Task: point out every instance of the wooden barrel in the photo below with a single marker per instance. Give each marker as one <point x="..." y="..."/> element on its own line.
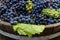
<point x="51" y="31"/>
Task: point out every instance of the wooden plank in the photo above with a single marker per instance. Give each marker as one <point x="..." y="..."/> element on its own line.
<point x="56" y="29"/>
<point x="57" y="38"/>
<point x="49" y="28"/>
<point x="6" y="27"/>
<point x="47" y="31"/>
<point x="9" y="28"/>
<point x="2" y="37"/>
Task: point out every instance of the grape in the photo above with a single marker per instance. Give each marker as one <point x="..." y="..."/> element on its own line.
<point x="15" y="11"/>
<point x="29" y="6"/>
<point x="50" y="13"/>
<point x="23" y="13"/>
<point x="27" y="29"/>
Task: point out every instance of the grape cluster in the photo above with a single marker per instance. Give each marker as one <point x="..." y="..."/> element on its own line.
<point x="52" y="13"/>
<point x="24" y="29"/>
<point x="28" y="11"/>
<point x="29" y="6"/>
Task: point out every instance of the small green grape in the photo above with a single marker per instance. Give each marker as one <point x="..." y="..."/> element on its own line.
<point x="50" y="12"/>
<point x="29" y="6"/>
<point x="21" y="32"/>
<point x="58" y="10"/>
<point x="28" y="29"/>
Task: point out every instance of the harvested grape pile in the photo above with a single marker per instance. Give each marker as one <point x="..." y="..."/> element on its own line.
<point x="30" y="12"/>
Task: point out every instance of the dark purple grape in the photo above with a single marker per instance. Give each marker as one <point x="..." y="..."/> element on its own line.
<point x="14" y="11"/>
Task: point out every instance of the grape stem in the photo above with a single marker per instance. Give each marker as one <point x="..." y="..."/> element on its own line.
<point x="15" y="12"/>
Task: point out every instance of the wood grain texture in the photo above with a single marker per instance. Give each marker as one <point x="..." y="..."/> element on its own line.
<point x="17" y="37"/>
<point x="50" y="29"/>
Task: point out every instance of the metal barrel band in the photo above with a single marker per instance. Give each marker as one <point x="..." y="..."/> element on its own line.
<point x="17" y="37"/>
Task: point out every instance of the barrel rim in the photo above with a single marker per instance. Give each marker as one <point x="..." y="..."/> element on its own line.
<point x="3" y="24"/>
<point x="13" y="36"/>
<point x="47" y="26"/>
